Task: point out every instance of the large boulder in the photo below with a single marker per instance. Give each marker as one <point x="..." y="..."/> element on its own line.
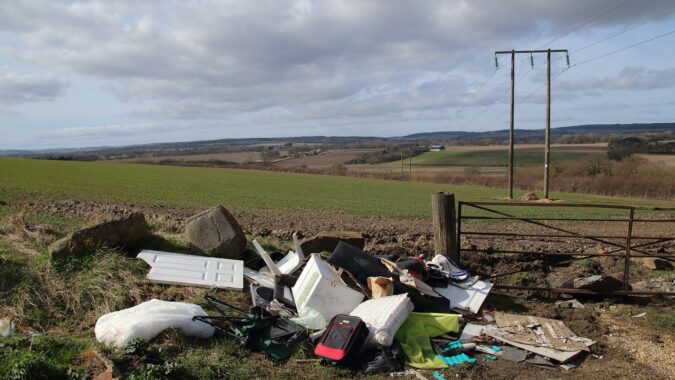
<point x="216" y="232"/>
<point x="326" y="241"/>
<point x="126" y="232"/>
<point x="598" y="283"/>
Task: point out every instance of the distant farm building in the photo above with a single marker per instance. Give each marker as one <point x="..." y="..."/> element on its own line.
<point x="436" y="148"/>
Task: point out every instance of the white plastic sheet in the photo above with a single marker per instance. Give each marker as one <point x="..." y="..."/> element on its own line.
<point x="466" y="298"/>
<point x="147" y="320"/>
<point x="384" y="316"/>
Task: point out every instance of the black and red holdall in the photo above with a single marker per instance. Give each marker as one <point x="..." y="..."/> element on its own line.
<point x="343" y="341"/>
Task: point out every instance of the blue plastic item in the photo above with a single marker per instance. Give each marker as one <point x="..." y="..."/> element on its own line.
<point x="457" y="359"/>
<point x="438" y="376"/>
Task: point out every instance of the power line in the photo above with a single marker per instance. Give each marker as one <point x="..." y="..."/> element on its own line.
<point x="500" y="116"/>
<point x="596" y="58"/>
<point x="476" y="92"/>
<point x="586" y="23"/>
<point x="623" y="48"/>
<point x="625" y="30"/>
<point x="487" y="107"/>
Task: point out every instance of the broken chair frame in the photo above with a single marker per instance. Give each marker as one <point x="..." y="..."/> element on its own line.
<point x="272" y="328"/>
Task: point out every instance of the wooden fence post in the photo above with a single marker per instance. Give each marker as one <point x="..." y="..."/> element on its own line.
<point x="443" y="213"/>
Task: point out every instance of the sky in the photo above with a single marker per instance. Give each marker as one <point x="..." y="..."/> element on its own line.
<point x="111" y="73"/>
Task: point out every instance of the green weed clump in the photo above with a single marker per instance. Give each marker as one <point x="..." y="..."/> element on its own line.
<point x="40" y="357"/>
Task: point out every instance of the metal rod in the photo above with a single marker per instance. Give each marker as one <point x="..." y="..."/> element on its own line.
<point x="585" y="291"/>
<point x="459" y="233"/>
<point x="661" y="240"/>
<point x="561" y="236"/>
<point x="511" y="126"/>
<point x="552" y="227"/>
<point x="530" y="51"/>
<point x="530" y="204"/>
<point x="582" y="255"/>
<point x="626" y="267"/>
<point x="510" y="252"/>
<point x="402" y="161"/>
<point x="558" y="219"/>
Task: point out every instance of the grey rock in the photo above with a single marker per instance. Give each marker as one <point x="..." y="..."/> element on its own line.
<point x="655" y="263"/>
<point x="216" y="232"/>
<point x="573" y="304"/>
<point x="595" y="282"/>
<point x="661" y="284"/>
<point x="125" y="232"/>
<point x="326" y="241"/>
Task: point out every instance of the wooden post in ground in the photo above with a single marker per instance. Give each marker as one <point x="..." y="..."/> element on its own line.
<point x="443" y="213"/>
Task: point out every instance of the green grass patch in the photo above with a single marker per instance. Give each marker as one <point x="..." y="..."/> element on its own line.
<point x="520" y="279"/>
<point x="241" y="189"/>
<point x="664" y="319"/>
<point x="523" y="157"/>
<point x="41" y="357"/>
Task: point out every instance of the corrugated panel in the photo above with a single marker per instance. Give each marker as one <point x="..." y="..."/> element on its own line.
<point x="191" y="270"/>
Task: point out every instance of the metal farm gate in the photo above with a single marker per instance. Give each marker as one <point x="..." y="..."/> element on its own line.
<point x="630" y="245"/>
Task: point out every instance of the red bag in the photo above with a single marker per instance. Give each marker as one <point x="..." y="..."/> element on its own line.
<point x="343" y="339"/>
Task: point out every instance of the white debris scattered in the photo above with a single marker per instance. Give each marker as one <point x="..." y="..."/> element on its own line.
<point x="147" y="320"/>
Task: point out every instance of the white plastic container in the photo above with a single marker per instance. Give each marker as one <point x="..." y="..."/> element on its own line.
<point x="320" y="294"/>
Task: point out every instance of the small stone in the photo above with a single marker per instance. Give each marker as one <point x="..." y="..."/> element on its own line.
<point x="596" y="282"/>
<point x="6" y="327"/>
<point x="654" y="263"/>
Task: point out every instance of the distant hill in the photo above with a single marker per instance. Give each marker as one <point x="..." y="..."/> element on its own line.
<point x="600" y="129"/>
<point x="241" y="144"/>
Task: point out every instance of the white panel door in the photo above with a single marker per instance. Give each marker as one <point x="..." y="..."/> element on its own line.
<point x="191" y="270"/>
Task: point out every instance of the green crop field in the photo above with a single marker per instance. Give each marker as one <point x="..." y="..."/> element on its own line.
<point x="523" y="157"/>
<point x="239" y="189"/>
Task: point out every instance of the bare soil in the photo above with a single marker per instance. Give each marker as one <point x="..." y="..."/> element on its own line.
<point x="323" y="160"/>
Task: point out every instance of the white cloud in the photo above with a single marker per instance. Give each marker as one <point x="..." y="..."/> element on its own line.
<point x="18" y="87"/>
<point x="107" y="131"/>
<point x="215" y="59"/>
<point x="630" y="78"/>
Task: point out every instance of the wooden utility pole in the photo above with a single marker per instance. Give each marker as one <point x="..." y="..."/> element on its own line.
<point x="443" y="213"/>
<point x="547" y="148"/>
<point x="410" y="161"/>
<point x="511" y="126"/>
<point x="401" y="161"/>
<point x="548" y="112"/>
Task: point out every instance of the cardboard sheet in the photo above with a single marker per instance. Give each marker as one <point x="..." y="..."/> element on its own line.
<point x="541" y="332"/>
<point x="560" y="356"/>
